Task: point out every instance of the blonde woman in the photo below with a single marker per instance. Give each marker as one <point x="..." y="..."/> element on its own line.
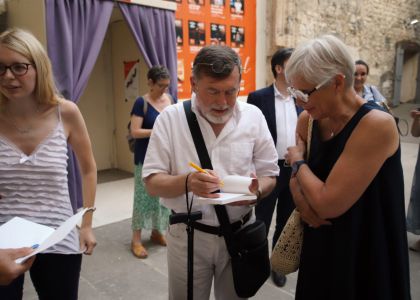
<point x="35" y="126"/>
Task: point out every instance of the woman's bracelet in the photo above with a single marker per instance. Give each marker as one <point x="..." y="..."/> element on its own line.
<point x="92" y="209"/>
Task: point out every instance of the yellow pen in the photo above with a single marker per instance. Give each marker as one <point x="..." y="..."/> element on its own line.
<point x="199" y="169"/>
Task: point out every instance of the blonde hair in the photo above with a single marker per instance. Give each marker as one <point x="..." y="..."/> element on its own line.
<point x="27" y="45"/>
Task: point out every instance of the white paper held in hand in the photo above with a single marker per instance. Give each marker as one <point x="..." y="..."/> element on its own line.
<point x="19" y="232"/>
<point x="235" y="188"/>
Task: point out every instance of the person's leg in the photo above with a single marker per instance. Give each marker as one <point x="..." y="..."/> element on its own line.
<point x="154" y="216"/>
<point x="13" y="291"/>
<point x="203" y="269"/>
<point x="56" y="276"/>
<point x="265" y="209"/>
<point x="136" y="237"/>
<point x="285" y="204"/>
<point x="158" y="238"/>
<point x="136" y="221"/>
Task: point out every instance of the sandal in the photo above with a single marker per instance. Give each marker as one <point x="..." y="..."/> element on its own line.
<point x="138" y="250"/>
<point x="158" y="238"/>
<point x="415" y="247"/>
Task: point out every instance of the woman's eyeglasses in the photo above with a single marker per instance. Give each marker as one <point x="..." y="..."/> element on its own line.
<point x="304" y="95"/>
<point x="18" y="69"/>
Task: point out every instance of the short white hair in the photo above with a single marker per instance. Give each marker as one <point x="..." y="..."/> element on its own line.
<point x="320" y="59"/>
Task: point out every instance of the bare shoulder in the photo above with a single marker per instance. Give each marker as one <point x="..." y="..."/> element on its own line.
<point x="302" y="125"/>
<point x="380" y="122"/>
<point x="69" y="109"/>
<point x="377" y="131"/>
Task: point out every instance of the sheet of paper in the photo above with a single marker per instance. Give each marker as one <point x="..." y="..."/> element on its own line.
<point x="59" y="234"/>
<point x="26" y="233"/>
<point x="19" y="232"/>
<point x="226" y="198"/>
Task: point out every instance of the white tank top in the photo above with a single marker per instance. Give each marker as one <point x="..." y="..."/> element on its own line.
<point x="35" y="187"/>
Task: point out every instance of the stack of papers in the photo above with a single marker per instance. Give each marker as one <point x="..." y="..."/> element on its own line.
<point x="235" y="188"/>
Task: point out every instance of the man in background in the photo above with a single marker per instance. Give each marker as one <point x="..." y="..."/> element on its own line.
<point x="281" y="114"/>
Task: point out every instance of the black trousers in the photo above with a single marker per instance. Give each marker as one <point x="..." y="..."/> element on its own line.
<point x="280" y="196"/>
<point x="54" y="276"/>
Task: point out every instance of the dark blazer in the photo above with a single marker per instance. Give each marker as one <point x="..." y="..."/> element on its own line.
<point x="264" y="100"/>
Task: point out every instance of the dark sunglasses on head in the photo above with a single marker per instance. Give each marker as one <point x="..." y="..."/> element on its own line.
<point x="218" y="67"/>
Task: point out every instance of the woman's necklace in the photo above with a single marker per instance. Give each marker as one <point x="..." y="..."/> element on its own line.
<point x="333" y="130"/>
<point x="22" y="130"/>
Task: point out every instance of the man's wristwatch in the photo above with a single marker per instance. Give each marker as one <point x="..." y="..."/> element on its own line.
<point x="296" y="165"/>
<point x="259" y="193"/>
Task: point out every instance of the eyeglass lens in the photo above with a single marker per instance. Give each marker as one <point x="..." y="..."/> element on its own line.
<point x="18" y="69"/>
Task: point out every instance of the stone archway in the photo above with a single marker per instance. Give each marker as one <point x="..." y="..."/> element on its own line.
<point x="407" y="73"/>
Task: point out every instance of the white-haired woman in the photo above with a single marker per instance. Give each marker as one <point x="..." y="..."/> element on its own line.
<point x="350" y="191"/>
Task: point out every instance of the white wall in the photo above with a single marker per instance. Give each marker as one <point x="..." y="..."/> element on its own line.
<point x="29" y="15"/>
<point x="97" y="107"/>
<point x="261" y="49"/>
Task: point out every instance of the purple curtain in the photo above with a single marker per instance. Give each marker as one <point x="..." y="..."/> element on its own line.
<point x="154" y="32"/>
<point x="75" y="33"/>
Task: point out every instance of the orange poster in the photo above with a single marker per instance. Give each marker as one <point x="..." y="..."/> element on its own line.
<point x="225" y="22"/>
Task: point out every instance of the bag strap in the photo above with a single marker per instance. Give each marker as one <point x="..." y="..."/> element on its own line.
<point x="309" y="138"/>
<point x="372" y="92"/>
<point x="205" y="162"/>
<point x="197" y="136"/>
<point x="144" y="107"/>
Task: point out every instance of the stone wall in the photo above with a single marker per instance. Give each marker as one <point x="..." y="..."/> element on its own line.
<point x="371" y="28"/>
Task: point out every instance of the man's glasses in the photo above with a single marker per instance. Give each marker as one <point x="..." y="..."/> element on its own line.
<point x="303" y="95"/>
<point x="219" y="67"/>
<point x="18" y="69"/>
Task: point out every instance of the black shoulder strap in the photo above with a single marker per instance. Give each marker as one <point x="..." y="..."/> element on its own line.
<point x="373" y="93"/>
<point x="197" y="136"/>
<point x="205" y="162"/>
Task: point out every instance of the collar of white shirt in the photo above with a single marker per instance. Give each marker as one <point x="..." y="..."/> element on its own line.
<point x="279" y="96"/>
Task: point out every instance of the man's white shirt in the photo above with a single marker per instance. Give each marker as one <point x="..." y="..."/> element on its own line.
<point x="244" y="146"/>
<point x="286" y="121"/>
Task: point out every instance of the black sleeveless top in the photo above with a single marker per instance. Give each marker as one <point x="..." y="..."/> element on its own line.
<point x="363" y="254"/>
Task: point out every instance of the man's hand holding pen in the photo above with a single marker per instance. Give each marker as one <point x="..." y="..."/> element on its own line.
<point x="204" y="183"/>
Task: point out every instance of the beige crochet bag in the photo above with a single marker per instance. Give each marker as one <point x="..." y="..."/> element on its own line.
<point x="285" y="258"/>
